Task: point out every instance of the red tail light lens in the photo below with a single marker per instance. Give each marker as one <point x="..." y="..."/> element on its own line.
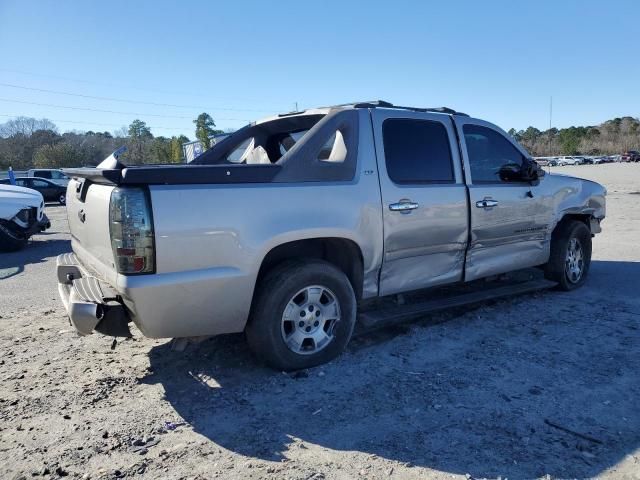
<point x="131" y="229"/>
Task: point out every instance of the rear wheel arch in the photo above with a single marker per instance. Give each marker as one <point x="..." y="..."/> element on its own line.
<point x="343" y="253"/>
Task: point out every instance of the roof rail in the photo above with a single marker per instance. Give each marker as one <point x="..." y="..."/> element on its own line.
<point x="384" y="104"/>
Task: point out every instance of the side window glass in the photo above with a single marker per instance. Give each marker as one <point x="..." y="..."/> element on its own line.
<point x="334" y="150"/>
<point x="43" y="174"/>
<point x="39" y="184"/>
<point x="489" y="152"/>
<point x="241" y="152"/>
<point x="417" y="151"/>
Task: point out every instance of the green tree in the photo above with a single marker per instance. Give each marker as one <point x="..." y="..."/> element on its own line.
<point x="205" y="128"/>
<point x="60" y="155"/>
<point x="139" y="130"/>
<point x="531" y="134"/>
<point x="176" y="148"/>
<point x="161" y="150"/>
<point x="139" y="138"/>
<point x="570" y="140"/>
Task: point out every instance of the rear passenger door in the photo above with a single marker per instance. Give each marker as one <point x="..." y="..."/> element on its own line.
<point x="424" y="200"/>
<point x="47" y="190"/>
<point x="509" y="218"/>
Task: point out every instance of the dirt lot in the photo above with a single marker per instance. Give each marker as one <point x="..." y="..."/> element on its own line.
<point x="481" y="394"/>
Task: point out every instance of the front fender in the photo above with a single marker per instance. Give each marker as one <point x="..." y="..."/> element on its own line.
<point x="576" y="196"/>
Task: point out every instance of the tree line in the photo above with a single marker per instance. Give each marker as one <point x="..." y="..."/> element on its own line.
<point x="27" y="142"/>
<point x="611" y="137"/>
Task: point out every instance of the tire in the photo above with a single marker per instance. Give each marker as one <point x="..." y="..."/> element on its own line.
<point x="8" y="243"/>
<point x="62" y="199"/>
<point x="569" y="269"/>
<point x="293" y="306"/>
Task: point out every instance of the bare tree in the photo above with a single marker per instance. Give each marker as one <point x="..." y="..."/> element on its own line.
<point x="25" y="126"/>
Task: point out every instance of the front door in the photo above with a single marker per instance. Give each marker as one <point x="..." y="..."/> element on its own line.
<point x="424" y="200"/>
<point x="509" y="219"/>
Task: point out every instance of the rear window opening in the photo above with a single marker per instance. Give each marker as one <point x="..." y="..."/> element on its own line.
<point x="314" y="147"/>
<point x="260" y="144"/>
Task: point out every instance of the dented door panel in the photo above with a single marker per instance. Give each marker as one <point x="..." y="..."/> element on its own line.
<point x="514" y="234"/>
<point x="423" y="246"/>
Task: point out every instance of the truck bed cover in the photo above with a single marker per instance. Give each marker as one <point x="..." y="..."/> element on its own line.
<point x="177" y="174"/>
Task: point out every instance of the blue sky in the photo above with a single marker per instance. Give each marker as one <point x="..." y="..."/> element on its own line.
<point x="498" y="60"/>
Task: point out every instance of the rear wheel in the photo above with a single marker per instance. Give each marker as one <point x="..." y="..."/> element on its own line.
<point x="303" y="315"/>
<point x="570" y="257"/>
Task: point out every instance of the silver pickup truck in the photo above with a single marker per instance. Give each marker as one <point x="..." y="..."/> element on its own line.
<point x="287" y="228"/>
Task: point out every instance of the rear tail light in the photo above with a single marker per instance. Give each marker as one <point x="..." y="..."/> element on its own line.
<point x="131" y="228"/>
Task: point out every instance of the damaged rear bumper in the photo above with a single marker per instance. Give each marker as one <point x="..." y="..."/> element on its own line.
<point x="90" y="303"/>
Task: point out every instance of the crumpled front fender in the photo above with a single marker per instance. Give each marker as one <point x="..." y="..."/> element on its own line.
<point x="576" y="196"/>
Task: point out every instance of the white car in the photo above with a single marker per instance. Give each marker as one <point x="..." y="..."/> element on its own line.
<point x="21" y="215"/>
<point x="568" y="161"/>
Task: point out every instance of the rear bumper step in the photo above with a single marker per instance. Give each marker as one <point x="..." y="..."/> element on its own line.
<point x="90" y="303"/>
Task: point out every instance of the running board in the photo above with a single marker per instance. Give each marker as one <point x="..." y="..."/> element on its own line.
<point x="388" y="316"/>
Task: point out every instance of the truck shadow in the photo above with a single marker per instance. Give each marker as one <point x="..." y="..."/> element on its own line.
<point x="543" y="384"/>
<point x="37" y="250"/>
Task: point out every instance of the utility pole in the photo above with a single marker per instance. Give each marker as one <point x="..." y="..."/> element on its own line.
<point x="550" y="115"/>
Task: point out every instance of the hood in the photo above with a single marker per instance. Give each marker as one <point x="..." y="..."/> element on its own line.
<point x="13" y="199"/>
<point x="14" y="192"/>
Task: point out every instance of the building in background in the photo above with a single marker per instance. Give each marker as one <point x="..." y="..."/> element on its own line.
<point x="192" y="150"/>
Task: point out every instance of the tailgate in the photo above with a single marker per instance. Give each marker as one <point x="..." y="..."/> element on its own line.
<point x="88" y="213"/>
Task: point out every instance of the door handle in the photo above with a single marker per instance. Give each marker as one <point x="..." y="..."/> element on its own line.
<point x="403" y="206"/>
<point x="486" y="203"/>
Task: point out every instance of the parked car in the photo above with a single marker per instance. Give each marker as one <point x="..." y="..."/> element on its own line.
<point x="592" y="160"/>
<point x="54" y="174"/>
<point x="283" y="229"/>
<point x="630" y="156"/>
<point x="21" y="216"/>
<point x="546" y="161"/>
<point x="568" y="160"/>
<point x="52" y="192"/>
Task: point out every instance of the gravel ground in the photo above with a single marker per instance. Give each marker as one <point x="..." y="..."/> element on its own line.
<point x="542" y="384"/>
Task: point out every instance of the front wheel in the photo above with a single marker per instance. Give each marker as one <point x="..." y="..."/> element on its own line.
<point x="10" y="242"/>
<point x="303" y="315"/>
<point x="570" y="257"/>
<point x="62" y="199"/>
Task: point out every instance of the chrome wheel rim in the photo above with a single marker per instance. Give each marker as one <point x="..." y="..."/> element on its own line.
<point x="62" y="199"/>
<point x="574" y="261"/>
<point x="309" y="320"/>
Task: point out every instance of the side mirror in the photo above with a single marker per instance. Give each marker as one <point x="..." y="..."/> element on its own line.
<point x="511" y="172"/>
<point x="531" y="171"/>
